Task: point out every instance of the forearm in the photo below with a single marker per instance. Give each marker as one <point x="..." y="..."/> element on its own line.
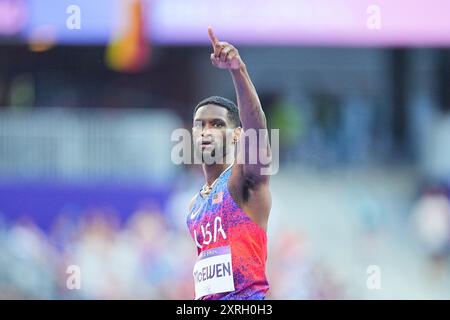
<point x="252" y="118"/>
<point x="250" y="110"/>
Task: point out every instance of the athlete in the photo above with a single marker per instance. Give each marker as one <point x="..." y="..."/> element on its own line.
<point x="228" y="216"/>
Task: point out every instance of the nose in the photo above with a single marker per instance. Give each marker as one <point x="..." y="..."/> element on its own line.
<point x="205" y="133"/>
<point x="206" y="130"/>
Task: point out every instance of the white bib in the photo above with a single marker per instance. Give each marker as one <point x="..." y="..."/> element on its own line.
<point x="213" y="272"/>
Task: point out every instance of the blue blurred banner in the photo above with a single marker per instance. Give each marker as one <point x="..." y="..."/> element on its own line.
<point x="43" y="202"/>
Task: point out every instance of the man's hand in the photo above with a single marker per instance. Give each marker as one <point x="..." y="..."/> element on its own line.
<point x="225" y="55"/>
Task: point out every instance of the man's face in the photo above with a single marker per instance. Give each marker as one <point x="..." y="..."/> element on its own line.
<point x="213" y="133"/>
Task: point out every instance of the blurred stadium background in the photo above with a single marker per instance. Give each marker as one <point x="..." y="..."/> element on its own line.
<point x="90" y="92"/>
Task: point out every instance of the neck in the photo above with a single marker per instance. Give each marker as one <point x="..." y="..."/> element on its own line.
<point x="213" y="171"/>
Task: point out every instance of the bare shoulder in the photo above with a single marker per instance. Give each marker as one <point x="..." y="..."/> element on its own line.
<point x="252" y="194"/>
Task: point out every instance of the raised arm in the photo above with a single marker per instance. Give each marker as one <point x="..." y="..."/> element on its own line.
<point x="226" y="56"/>
<point x="249" y="182"/>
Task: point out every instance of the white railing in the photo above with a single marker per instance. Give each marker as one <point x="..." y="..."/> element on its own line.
<point x="79" y="144"/>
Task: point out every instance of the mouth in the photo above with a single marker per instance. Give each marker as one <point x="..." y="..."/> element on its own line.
<point x="206" y="144"/>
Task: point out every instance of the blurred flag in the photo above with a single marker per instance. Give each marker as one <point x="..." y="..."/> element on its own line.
<point x="130" y="50"/>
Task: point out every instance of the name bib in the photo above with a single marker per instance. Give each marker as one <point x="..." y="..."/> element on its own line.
<point x="213" y="272"/>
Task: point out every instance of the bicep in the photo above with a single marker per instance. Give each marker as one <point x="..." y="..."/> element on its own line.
<point x="252" y="194"/>
<point x="255" y="156"/>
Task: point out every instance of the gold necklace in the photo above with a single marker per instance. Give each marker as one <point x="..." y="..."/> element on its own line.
<point x="207" y="189"/>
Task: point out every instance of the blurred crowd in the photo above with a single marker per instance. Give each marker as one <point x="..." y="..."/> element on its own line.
<point x="144" y="257"/>
<point x="149" y="254"/>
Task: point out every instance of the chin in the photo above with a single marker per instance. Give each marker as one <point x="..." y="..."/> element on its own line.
<point x="202" y="154"/>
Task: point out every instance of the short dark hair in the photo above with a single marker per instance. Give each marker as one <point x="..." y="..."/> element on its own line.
<point x="233" y="111"/>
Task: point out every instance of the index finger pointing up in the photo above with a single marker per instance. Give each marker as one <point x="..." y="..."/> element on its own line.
<point x="213" y="37"/>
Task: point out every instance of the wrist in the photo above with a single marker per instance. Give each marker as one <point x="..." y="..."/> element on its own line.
<point x="240" y="71"/>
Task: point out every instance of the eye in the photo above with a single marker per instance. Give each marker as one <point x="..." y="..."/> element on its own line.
<point x="218" y="125"/>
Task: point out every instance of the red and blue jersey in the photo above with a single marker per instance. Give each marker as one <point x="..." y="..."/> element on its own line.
<point x="232" y="248"/>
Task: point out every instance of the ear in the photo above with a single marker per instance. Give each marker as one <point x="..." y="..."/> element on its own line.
<point x="237" y="134"/>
